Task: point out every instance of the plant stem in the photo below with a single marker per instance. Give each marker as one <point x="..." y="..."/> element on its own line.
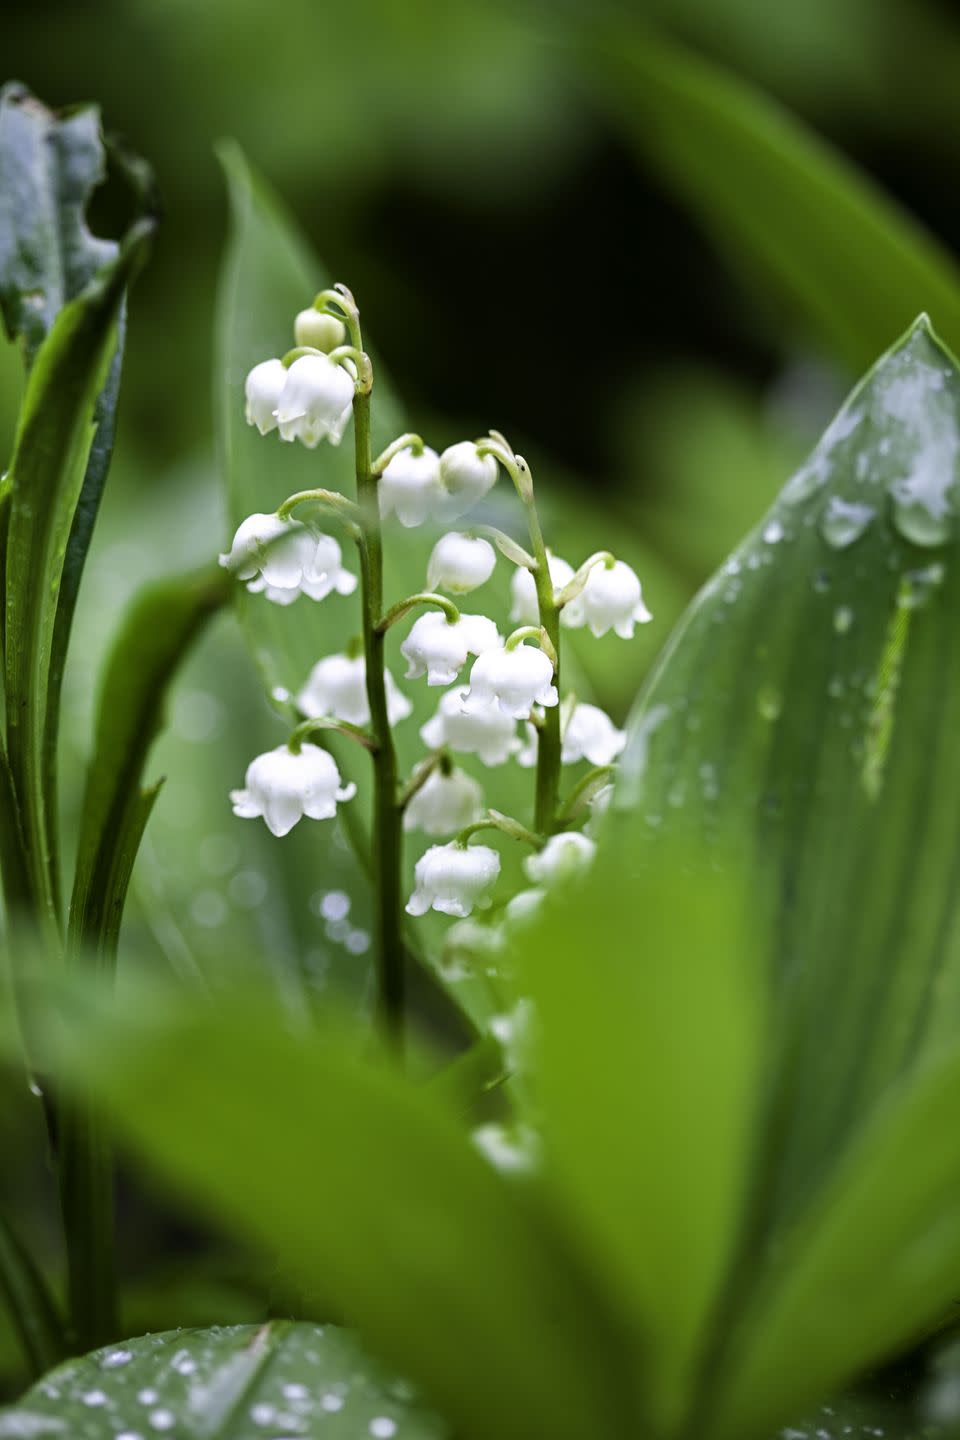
<point x="548" y="747"/>
<point x="32" y="1308"/>
<point x="387" y="813"/>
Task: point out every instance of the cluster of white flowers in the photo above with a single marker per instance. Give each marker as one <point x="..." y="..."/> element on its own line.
<point x="495" y="711"/>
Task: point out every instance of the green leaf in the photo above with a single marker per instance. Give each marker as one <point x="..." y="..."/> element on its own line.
<point x="807" y="717"/>
<point x="790" y="211"/>
<point x="875" y="1258"/>
<point x="650" y="1066"/>
<point x="370" y="1191"/>
<point x="49" y="167"/>
<point x="53" y="444"/>
<point x="225" y="1384"/>
<point x="157" y="632"/>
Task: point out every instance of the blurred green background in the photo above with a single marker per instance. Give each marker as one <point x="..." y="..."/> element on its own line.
<point x="476" y="173"/>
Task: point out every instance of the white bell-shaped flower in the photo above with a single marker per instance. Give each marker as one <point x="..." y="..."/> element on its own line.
<point x="564" y="857"/>
<point x="410" y="487"/>
<point x="453" y="879"/>
<point x="489" y="734"/>
<point x="337" y="686"/>
<point x="272" y="555"/>
<point x="473" y="940"/>
<point x="459" y="563"/>
<point x="444" y="804"/>
<point x="466" y="477"/>
<point x="525" y="609"/>
<point x="316" y="401"/>
<point x="514" y="679"/>
<point x="318" y="330"/>
<point x="438" y="648"/>
<point x="262" y="390"/>
<point x="589" y="734"/>
<point x="612" y="600"/>
<point x="322" y="575"/>
<point x="281" y="786"/>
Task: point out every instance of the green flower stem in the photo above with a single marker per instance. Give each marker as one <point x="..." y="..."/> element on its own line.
<point x="329" y="499"/>
<point x="396" y="447"/>
<point x="387" y="814"/>
<point x="317" y="724"/>
<point x="548" y="750"/>
<point x="495" y="820"/>
<point x="583" y="791"/>
<point x="403" y="607"/>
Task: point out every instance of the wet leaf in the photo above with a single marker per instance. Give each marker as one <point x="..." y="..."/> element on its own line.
<point x="227" y="1383"/>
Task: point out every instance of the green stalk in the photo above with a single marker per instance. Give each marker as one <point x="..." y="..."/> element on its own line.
<point x="387" y="812"/>
<point x="30" y="1304"/>
<point x="548" y="748"/>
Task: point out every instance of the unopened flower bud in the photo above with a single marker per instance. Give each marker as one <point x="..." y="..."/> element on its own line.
<point x="337" y="686"/>
<point x="410" y="487"/>
<point x="438" y="648"/>
<point x="282" y="786"/>
<point x="489" y="734"/>
<point x="316" y="401"/>
<point x="444" y="804"/>
<point x="318" y="330"/>
<point x="460" y="563"/>
<point x="262" y="391"/>
<point x="516" y="680"/>
<point x="466" y="476"/>
<point x="612" y="600"/>
<point x="453" y="879"/>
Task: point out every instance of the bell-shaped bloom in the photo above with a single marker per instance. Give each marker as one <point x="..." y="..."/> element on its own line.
<point x="525" y="609"/>
<point x="316" y="401"/>
<point x="590" y="734"/>
<point x="564" y="857"/>
<point x="282" y="559"/>
<point x="612" y="600"/>
<point x="337" y="686"/>
<point x="281" y="786"/>
<point x="410" y="487"/>
<point x="438" y="648"/>
<point x="489" y="734"/>
<point x="262" y="390"/>
<point x="459" y="563"/>
<point x="472" y="940"/>
<point x="444" y="804"/>
<point x="466" y="477"/>
<point x="453" y="879"/>
<point x="515" y="680"/>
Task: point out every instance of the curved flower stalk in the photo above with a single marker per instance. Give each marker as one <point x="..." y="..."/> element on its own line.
<point x="309" y="396"/>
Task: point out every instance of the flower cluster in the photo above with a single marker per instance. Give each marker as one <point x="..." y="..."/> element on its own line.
<point x="502" y="695"/>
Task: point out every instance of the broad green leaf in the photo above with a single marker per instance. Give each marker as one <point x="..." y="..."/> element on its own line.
<point x="650" y="1013"/>
<point x="49" y="167"/>
<point x="870" y="1264"/>
<point x="226" y="1383"/>
<point x="157" y="631"/>
<point x="807" y="715"/>
<point x="370" y="1191"/>
<point x="53" y="445"/>
<point x="791" y="212"/>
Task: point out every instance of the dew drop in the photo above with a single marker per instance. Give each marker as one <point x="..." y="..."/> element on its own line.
<point x="263" y="1414"/>
<point x="331" y="1402"/>
<point x="114" y="1358"/>
<point x="162" y="1419"/>
<point x="773" y="533"/>
<point x="844" y="521"/>
<point x="769" y="703"/>
<point x="383" y="1428"/>
<point x="94" y="1398"/>
<point x="843" y="618"/>
<point x="296" y="1392"/>
<point x="917" y="586"/>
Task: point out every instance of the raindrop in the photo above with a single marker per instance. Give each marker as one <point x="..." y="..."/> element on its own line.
<point x="821" y="582"/>
<point x="331" y="1402"/>
<point x="296" y="1392"/>
<point x="94" y="1398"/>
<point x="773" y="533"/>
<point x="331" y="904"/>
<point x="844" y="521"/>
<point x="843" y="618"/>
<point x="129" y="1435"/>
<point x="263" y="1414"/>
<point x="184" y="1364"/>
<point x="917" y="586"/>
<point x="769" y="703"/>
<point x="358" y="942"/>
<point x="148" y="1397"/>
<point x="162" y="1419"/>
<point x="113" y="1358"/>
<point x="383" y="1428"/>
